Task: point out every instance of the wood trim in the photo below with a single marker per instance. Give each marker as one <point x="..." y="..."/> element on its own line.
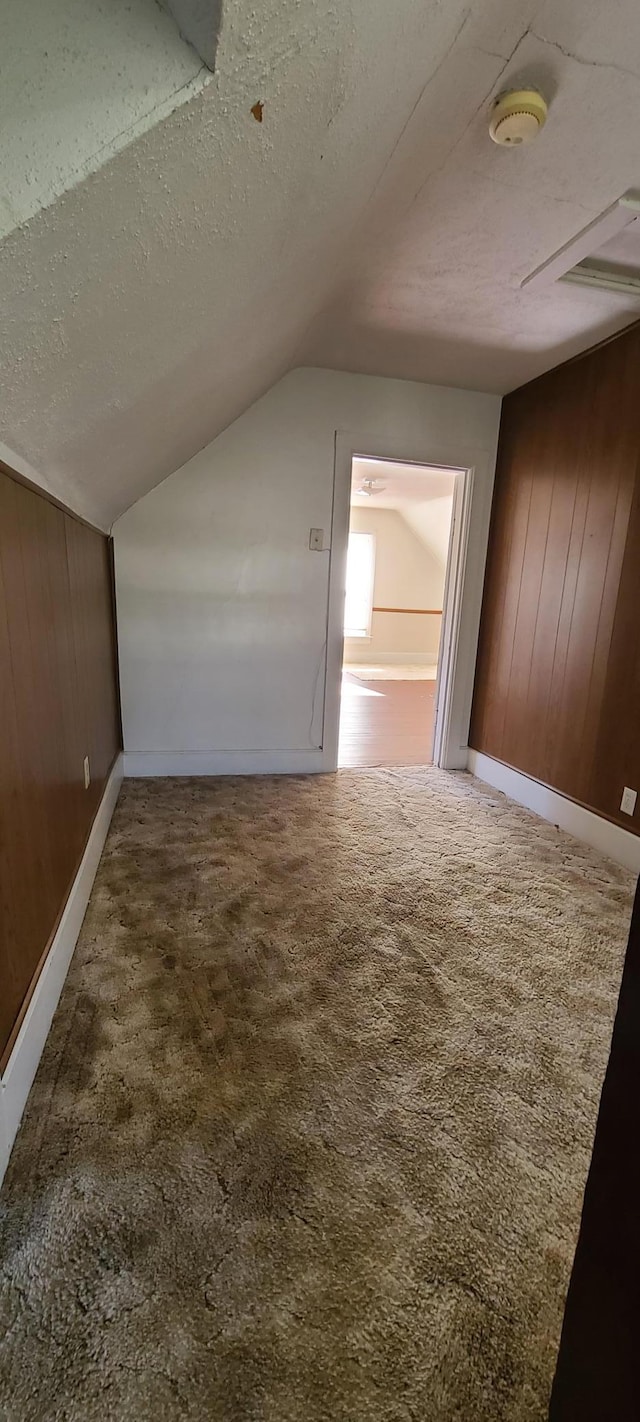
<point x="51" y="498"/>
<point x="418" y="611"/>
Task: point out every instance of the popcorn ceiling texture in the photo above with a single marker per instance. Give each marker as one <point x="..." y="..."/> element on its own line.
<point x="310" y="1133"/>
<point x="81" y="80"/>
<point x="367" y="223"/>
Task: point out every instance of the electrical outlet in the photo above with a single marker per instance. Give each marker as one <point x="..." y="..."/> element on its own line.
<point x="316" y="540"/>
<point x="87" y="773"/>
<point x="628" y="801"/>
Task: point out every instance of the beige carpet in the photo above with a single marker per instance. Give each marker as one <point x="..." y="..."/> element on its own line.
<point x="310" y="1134"/>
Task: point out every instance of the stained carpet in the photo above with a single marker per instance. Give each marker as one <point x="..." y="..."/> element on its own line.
<point x="310" y="1134"/>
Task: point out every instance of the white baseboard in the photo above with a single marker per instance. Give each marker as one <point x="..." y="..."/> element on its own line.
<point x="393" y="659"/>
<point x="617" y="843"/>
<point x="268" y="762"/>
<point x="23" y="1063"/>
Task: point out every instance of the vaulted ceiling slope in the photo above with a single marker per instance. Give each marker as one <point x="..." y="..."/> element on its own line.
<point x="366" y="223"/>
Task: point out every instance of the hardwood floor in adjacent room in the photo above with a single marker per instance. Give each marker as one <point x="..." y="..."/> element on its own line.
<point x="386" y="722"/>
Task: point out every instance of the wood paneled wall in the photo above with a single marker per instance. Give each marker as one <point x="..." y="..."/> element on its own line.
<point x="58" y="703"/>
<point x="557" y="691"/>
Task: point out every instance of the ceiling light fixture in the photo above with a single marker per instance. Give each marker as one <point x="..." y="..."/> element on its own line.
<point x="369" y="487"/>
<point x="517" y="117"/>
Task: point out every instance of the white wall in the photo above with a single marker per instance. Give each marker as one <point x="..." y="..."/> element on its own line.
<point x="430" y="520"/>
<point x="222" y="608"/>
<point x="406" y="575"/>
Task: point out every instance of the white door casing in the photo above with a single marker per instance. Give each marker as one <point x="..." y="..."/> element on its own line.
<point x="462" y="594"/>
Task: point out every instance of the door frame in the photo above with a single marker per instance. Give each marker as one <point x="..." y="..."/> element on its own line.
<point x="446" y="745"/>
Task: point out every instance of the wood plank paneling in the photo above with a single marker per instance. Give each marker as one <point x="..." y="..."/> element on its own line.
<point x="91" y="602"/>
<point x="58" y="702"/>
<point x="557" y="691"/>
<point x="616" y="752"/>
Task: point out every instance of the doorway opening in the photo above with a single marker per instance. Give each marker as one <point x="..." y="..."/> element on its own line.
<point x="400" y="528"/>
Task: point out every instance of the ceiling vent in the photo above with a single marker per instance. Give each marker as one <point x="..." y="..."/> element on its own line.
<point x="606" y="254"/>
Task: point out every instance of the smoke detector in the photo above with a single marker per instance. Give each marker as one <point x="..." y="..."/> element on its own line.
<point x="517" y="117"/>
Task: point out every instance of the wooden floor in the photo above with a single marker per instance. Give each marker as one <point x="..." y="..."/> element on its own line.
<point x="386" y="722"/>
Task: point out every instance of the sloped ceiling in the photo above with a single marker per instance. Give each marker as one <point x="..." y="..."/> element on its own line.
<point x="366" y="223"/>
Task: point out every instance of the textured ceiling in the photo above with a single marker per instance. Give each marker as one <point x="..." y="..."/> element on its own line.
<point x="199" y="22"/>
<point x="399" y="484"/>
<point x="80" y="80"/>
<point x="366" y="223"/>
<point x="435" y="294"/>
<point x="423" y="496"/>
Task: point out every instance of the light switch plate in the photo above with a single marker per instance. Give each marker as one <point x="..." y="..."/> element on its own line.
<point x="316" y="540"/>
<point x="628" y="801"/>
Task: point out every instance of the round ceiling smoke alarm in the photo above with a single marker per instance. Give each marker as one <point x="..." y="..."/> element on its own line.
<point x="517" y="117"/>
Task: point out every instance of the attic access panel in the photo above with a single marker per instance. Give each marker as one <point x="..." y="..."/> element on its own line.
<point x="605" y="254"/>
